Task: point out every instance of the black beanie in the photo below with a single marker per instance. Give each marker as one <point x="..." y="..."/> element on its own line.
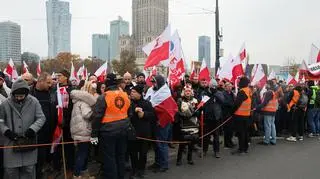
<point x="244" y="82"/>
<point x="141" y="74"/>
<point x="138" y="88"/>
<point x="111" y="80"/>
<point x="65" y="73"/>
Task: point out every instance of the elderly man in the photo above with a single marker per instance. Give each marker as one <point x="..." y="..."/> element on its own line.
<point x="28" y="77"/>
<point x="21" y="117"/>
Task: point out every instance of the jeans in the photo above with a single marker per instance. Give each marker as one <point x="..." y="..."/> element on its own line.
<point x="162" y="151"/>
<point x="81" y="161"/>
<point x="313" y="120"/>
<point x="269" y="129"/>
<point x="113" y="148"/>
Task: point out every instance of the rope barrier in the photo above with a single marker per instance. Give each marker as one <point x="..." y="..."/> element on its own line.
<point x="140" y="138"/>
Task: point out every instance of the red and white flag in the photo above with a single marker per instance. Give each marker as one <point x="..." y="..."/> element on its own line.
<point x="73" y="73"/>
<point x="232" y="69"/>
<point x="58" y="130"/>
<point x="25" y="67"/>
<point x="314" y="54"/>
<point x="272" y="75"/>
<point x="150" y="75"/>
<point x="193" y="72"/>
<point x="291" y="80"/>
<point x="39" y="69"/>
<point x="259" y="78"/>
<point x="11" y="71"/>
<point x="243" y="53"/>
<point x="203" y="101"/>
<point x="158" y="50"/>
<point x="102" y="72"/>
<point x="204" y="71"/>
<point x="82" y="72"/>
<point x="163" y="103"/>
<point x="176" y="65"/>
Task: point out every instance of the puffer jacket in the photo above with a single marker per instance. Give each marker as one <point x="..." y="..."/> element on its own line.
<point x="80" y="125"/>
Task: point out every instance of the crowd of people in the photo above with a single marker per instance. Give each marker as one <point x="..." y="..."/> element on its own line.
<point x="104" y="119"/>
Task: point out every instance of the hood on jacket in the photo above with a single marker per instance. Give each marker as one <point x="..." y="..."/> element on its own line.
<point x="20" y="85"/>
<point x="78" y="95"/>
<point x="160" y="81"/>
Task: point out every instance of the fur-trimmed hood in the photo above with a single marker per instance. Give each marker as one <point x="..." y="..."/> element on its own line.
<point x="78" y="95"/>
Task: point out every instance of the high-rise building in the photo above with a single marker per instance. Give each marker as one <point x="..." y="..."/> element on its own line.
<point x="58" y="27"/>
<point x="149" y="19"/>
<point x="101" y="46"/>
<point x="118" y="28"/>
<point x="204" y="51"/>
<point x="10" y="41"/>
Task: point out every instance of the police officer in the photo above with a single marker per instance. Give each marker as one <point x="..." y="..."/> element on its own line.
<point x="111" y="113"/>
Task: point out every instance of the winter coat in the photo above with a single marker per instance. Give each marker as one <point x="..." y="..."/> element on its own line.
<point x="80" y="124"/>
<point x="212" y="110"/>
<point x="143" y="126"/>
<point x="30" y="116"/>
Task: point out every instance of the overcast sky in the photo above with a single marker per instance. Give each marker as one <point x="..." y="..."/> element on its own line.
<point x="273" y="30"/>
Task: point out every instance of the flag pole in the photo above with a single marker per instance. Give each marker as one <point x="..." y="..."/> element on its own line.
<point x="64" y="158"/>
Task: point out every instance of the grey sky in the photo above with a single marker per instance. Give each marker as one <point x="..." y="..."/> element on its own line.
<point x="271" y="29"/>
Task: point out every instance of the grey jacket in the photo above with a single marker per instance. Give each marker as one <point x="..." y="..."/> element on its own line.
<point x="31" y="116"/>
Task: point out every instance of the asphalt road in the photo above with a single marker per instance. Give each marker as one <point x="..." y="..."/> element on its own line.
<point x="300" y="160"/>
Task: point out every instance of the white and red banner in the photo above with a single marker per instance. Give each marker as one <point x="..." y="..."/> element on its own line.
<point x="204" y="72"/>
<point x="163" y="103"/>
<point x="25" y="67"/>
<point x="58" y="130"/>
<point x="73" y="73"/>
<point x="39" y="69"/>
<point x="158" y="50"/>
<point x="259" y="78"/>
<point x="102" y="72"/>
<point x="11" y="70"/>
<point x="150" y="75"/>
<point x="314" y="54"/>
<point x="272" y="75"/>
<point x="82" y="72"/>
<point x="203" y="101"/>
<point x="232" y="69"/>
<point x="291" y="80"/>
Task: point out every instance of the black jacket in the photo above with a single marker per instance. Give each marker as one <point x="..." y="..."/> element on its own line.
<point x="228" y="104"/>
<point x="212" y="110"/>
<point x="142" y="126"/>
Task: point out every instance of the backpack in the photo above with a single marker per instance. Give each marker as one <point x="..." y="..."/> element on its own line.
<point x="303" y="101"/>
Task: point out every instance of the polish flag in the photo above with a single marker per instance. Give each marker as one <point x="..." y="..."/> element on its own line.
<point x="232" y="69"/>
<point x="259" y="78"/>
<point x="204" y="71"/>
<point x="11" y="71"/>
<point x="102" y="72"/>
<point x="253" y="71"/>
<point x="82" y="72"/>
<point x="291" y="80"/>
<point x="272" y="75"/>
<point x="150" y="75"/>
<point x="203" y="101"/>
<point x="25" y="67"/>
<point x="314" y="55"/>
<point x="58" y="131"/>
<point x="39" y="69"/>
<point x="193" y="72"/>
<point x="158" y="50"/>
<point x="243" y="53"/>
<point x="163" y="103"/>
<point x="73" y="72"/>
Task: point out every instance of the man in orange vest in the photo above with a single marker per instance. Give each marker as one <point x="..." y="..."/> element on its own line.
<point x="242" y="114"/>
<point x="268" y="109"/>
<point x="111" y="122"/>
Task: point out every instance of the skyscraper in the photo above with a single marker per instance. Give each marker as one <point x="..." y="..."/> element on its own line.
<point x="204" y="51"/>
<point x="149" y="19"/>
<point x="101" y="46"/>
<point x="117" y="28"/>
<point x="10" y="41"/>
<point x="58" y="27"/>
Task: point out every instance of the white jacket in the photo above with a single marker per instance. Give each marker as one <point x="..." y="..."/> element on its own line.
<point x="80" y="125"/>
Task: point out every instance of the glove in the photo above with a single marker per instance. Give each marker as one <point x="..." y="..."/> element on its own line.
<point x="30" y="133"/>
<point x="94" y="140"/>
<point x="11" y="135"/>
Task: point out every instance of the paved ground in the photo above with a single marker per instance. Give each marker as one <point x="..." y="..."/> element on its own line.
<point x="286" y="160"/>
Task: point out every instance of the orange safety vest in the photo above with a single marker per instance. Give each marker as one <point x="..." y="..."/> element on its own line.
<point x="272" y="105"/>
<point x="118" y="104"/>
<point x="245" y="107"/>
<point x="294" y="100"/>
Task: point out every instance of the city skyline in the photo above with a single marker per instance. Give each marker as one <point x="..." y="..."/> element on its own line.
<point x="118" y="28"/>
<point x="204" y="50"/>
<point x="270" y="34"/>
